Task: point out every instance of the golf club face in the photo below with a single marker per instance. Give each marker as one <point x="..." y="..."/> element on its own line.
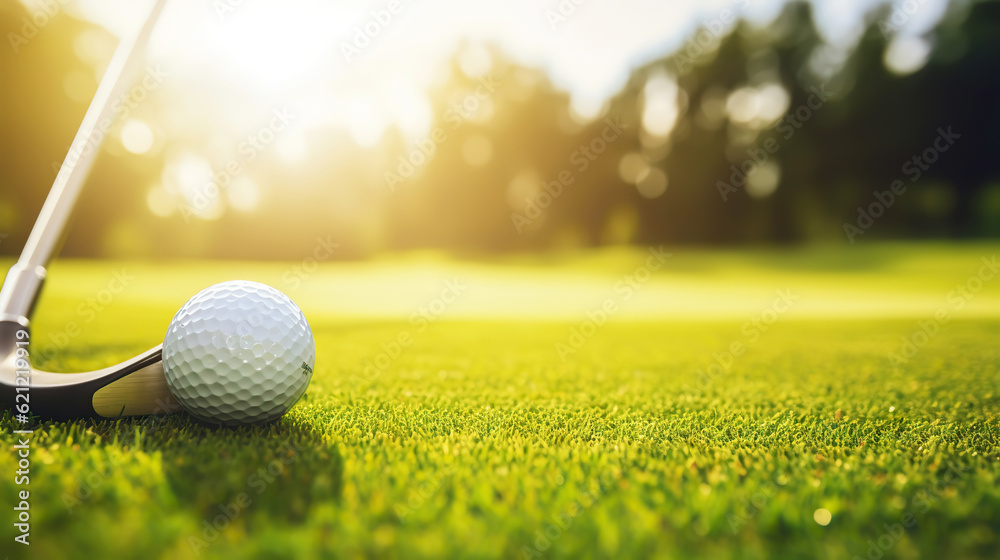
<point x="131" y="388"/>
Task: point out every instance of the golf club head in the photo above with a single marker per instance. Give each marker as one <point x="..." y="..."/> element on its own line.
<point x="132" y="388"/>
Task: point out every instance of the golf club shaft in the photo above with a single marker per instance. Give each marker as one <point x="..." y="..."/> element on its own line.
<point x="23" y="283"/>
<point x="136" y="386"/>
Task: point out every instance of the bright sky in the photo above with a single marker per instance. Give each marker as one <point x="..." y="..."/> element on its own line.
<point x="587" y="46"/>
<point x="366" y="66"/>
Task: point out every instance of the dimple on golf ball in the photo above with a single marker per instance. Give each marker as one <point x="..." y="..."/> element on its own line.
<point x="238" y="352"/>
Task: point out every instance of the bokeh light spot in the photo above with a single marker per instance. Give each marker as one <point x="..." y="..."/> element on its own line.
<point x="758" y="107"/>
<point x="764" y="180"/>
<point x="584" y="109"/>
<point x="475" y="61"/>
<point x="822" y="516"/>
<point x="94" y="46"/>
<point x="632" y="166"/>
<point x="137" y="137"/>
<point x="660" y="110"/>
<point x="652" y="183"/>
<point x="906" y="55"/>
<point x="190" y="177"/>
<point x="160" y="202"/>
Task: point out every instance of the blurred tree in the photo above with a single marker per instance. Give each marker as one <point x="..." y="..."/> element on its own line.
<point x="509" y="165"/>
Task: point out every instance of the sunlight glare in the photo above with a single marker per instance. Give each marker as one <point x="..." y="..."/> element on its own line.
<point x="660" y="110"/>
<point x="292" y="146"/>
<point x="475" y="61"/>
<point x="364" y="120"/>
<point x="189" y="177"/>
<point x="273" y="44"/>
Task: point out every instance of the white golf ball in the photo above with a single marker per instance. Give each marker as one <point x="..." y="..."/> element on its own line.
<point x="238" y="352"/>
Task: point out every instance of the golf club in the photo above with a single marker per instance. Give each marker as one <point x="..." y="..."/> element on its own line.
<point x="134" y="387"/>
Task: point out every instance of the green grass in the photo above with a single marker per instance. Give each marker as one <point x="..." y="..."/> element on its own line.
<point x="478" y="438"/>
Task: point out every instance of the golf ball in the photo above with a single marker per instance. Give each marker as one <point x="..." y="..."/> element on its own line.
<point x="238" y="352"/>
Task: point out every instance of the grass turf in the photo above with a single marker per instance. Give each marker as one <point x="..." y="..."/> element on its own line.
<point x="479" y="441"/>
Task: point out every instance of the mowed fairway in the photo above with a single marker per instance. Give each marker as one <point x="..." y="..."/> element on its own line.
<point x="482" y="437"/>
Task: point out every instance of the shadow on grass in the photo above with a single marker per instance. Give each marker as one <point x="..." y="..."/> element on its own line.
<point x="268" y="473"/>
<point x="136" y="487"/>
